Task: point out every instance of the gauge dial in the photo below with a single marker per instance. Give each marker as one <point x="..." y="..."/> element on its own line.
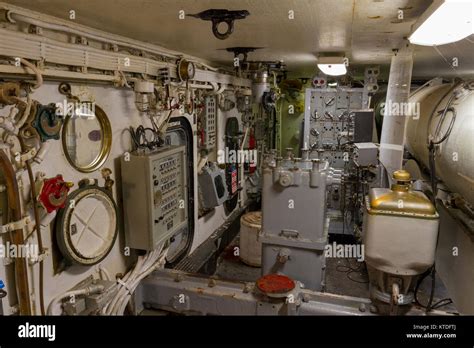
<point x="186" y="70"/>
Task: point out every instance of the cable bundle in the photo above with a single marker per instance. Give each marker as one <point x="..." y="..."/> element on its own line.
<point x="126" y="286"/>
<point x="142" y="141"/>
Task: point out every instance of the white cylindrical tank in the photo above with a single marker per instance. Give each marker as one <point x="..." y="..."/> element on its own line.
<point x="250" y="244"/>
<point x="454" y="156"/>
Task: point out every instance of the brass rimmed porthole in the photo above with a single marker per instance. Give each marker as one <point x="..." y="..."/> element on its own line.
<point x="87" y="137"/>
<point x="87" y="226"/>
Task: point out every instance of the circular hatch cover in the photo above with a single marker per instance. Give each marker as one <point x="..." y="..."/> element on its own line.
<point x="87" y="226"/>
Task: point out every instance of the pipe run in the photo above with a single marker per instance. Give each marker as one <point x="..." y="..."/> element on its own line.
<point x="17" y="15"/>
<point x="21" y="272"/>
<point x="394" y="126"/>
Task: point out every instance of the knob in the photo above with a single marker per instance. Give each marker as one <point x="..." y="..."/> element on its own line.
<point x="285" y="180"/>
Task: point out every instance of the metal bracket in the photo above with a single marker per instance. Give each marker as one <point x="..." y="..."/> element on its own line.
<point x="244" y="51"/>
<point x="21" y="159"/>
<point x="217" y="16"/>
<point x="165" y="76"/>
<point x="41" y="257"/>
<point x="15" y="225"/>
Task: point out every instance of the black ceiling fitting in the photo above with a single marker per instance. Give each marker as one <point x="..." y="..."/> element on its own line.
<point x="244" y="51"/>
<point x="217" y="16"/>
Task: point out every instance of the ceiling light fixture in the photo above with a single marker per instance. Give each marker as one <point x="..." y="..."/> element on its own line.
<point x="333" y="66"/>
<point x="445" y="21"/>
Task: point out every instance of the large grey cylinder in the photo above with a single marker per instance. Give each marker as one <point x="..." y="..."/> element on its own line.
<point x="454" y="157"/>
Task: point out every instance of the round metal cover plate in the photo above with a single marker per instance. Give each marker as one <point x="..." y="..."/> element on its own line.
<point x="275" y="284"/>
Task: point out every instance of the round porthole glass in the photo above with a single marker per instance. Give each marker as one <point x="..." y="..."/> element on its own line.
<point x="87" y="138"/>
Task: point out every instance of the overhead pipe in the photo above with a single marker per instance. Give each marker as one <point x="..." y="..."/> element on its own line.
<point x="38" y="234"/>
<point x="394" y="126"/>
<point x="217" y="88"/>
<point x="14" y="15"/>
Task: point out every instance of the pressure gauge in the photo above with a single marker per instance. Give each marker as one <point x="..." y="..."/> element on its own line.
<point x="87" y="226"/>
<point x="186" y="70"/>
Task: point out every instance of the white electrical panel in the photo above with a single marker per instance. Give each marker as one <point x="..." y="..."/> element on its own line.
<point x="154" y="196"/>
<point x="209" y="123"/>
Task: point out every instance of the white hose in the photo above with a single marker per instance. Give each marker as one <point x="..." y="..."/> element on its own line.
<point x="38" y="159"/>
<point x="25" y="115"/>
<point x="39" y="77"/>
<point x="221" y="89"/>
<point x="133" y="281"/>
<point x="216" y="88"/>
<point x="156" y="265"/>
<point x="43" y="150"/>
<point x="144" y="266"/>
<point x="124" y="280"/>
<point x="127" y="292"/>
<point x="12" y="114"/>
<point x="124" y="79"/>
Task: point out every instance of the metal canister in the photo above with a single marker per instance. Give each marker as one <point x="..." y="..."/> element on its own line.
<point x="250" y="244"/>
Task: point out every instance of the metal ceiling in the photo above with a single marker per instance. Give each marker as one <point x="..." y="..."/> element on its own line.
<point x="366" y="30"/>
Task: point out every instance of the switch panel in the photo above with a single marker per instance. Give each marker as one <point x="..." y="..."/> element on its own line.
<point x="154" y="196"/>
<point x="209" y="123"/>
<point x="330" y="122"/>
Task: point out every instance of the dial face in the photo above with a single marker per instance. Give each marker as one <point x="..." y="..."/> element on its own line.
<point x="186" y="70"/>
<point x="191" y="70"/>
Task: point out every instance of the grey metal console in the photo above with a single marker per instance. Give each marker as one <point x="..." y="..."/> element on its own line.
<point x="295" y="225"/>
